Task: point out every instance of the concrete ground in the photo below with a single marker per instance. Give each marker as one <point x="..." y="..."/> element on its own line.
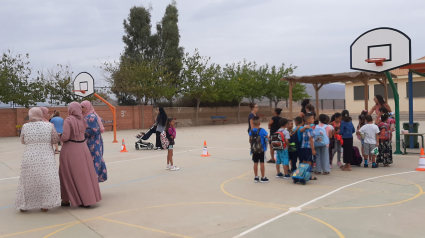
<point x="215" y="196"/>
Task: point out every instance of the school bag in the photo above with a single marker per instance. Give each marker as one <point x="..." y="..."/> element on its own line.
<point x="320" y="136"/>
<point x="293" y="142"/>
<point x="356" y="158"/>
<point x="385" y="131"/>
<point x="302" y="174"/>
<point x="278" y="141"/>
<point x="256" y="146"/>
<point x="164" y="140"/>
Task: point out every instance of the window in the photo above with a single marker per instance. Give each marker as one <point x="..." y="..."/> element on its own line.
<point x="418" y="89"/>
<point x="380" y="90"/>
<point x="359" y="92"/>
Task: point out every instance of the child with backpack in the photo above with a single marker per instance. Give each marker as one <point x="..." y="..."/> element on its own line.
<point x="336" y="123"/>
<point x="258" y="139"/>
<point x="346" y="131"/>
<point x="322" y="133"/>
<point x="167" y="141"/>
<point x="370" y="133"/>
<point x="294" y="142"/>
<point x="362" y="122"/>
<point x="385" y="155"/>
<point x="308" y="152"/>
<point x="280" y="143"/>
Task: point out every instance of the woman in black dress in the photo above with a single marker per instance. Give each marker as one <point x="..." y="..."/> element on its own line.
<point x="160" y="121"/>
<point x="274" y="126"/>
<point x="303" y="111"/>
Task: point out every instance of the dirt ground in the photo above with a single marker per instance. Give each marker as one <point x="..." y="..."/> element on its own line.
<point x="216" y="197"/>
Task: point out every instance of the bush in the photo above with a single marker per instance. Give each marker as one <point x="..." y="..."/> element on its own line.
<point x="187" y="102"/>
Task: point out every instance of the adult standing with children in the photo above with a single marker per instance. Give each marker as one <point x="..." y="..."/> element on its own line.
<point x="79" y="184"/>
<point x="160" y="122"/>
<point x="254" y="110"/>
<point x="274" y="125"/>
<point x="39" y="186"/>
<point x="57" y="121"/>
<point x="379" y="102"/>
<point x="303" y="111"/>
<point x="94" y="139"/>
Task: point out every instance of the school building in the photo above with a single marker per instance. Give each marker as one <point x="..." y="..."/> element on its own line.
<point x="355" y="92"/>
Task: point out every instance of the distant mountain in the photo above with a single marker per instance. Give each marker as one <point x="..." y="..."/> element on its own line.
<point x="328" y="91"/>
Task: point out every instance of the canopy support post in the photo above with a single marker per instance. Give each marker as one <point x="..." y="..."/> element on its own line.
<point x="366" y="93"/>
<point x="317" y="87"/>
<point x="291" y="86"/>
<point x="411" y="142"/>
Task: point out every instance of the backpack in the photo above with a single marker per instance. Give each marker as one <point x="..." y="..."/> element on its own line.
<point x="293" y="142"/>
<point x="302" y="174"/>
<point x="164" y="140"/>
<point x="256" y="145"/>
<point x="357" y="158"/>
<point x="385" y="132"/>
<point x="320" y="136"/>
<point x="278" y="141"/>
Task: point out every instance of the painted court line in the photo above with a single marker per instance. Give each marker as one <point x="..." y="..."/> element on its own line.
<point x="292" y="209"/>
<point x="158" y="155"/>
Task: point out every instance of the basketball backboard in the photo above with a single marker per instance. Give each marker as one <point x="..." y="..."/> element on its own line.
<point x="83" y="84"/>
<point x="391" y="45"/>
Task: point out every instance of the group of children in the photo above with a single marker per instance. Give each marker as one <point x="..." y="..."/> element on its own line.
<point x="315" y="141"/>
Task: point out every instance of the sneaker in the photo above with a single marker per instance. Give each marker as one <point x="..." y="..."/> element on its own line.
<point x="330" y="166"/>
<point x="279" y="175"/>
<point x="366" y="165"/>
<point x="339" y="163"/>
<point x="157" y="148"/>
<point x="174" y="168"/>
<point x="271" y="161"/>
<point x="287" y="176"/>
<point x="264" y="180"/>
<point x="168" y="167"/>
<point x="256" y="179"/>
<point x="374" y="166"/>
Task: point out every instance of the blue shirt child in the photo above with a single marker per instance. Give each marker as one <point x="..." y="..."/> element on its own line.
<point x="263" y="134"/>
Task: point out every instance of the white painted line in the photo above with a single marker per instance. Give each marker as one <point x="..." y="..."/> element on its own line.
<point x="9" y="178"/>
<point x="126" y="160"/>
<point x="311" y="201"/>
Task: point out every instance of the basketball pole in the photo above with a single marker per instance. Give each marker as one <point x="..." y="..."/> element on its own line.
<point x="397" y="113"/>
<point x="113" y="113"/>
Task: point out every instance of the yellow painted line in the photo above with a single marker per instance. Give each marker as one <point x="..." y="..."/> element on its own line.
<point x="63" y="228"/>
<point x="325" y="223"/>
<point x="145" y="228"/>
<point x="39" y="229"/>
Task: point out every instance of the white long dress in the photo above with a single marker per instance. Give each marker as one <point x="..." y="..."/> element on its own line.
<point x="39" y="184"/>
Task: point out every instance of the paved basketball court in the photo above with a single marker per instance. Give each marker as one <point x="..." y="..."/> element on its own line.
<point x="216" y="197"/>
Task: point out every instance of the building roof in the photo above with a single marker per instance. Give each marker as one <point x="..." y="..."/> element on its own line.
<point x="358" y="76"/>
<point x="400" y="72"/>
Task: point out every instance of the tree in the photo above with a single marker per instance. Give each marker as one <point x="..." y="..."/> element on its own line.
<point x="198" y="79"/>
<point x="15" y="85"/>
<point x="278" y="90"/>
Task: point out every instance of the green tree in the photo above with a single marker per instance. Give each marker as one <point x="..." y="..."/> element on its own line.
<point x="15" y="84"/>
<point x="198" y="79"/>
<point x="278" y="90"/>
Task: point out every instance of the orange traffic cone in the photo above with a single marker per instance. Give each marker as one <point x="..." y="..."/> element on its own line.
<point x="205" y="150"/>
<point x="123" y="148"/>
<point x="421" y="166"/>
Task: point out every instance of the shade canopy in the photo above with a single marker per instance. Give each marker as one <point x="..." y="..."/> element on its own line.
<point x="321" y="79"/>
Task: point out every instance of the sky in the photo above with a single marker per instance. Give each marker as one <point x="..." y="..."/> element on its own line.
<point x="313" y="35"/>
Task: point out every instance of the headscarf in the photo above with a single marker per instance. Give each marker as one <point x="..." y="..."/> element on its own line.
<point x="89" y="110"/>
<point x="75" y="118"/>
<point x="35" y="114"/>
<point x="162" y="116"/>
<point x="45" y="113"/>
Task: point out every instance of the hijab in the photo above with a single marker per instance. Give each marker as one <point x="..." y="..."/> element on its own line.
<point x="45" y="113"/>
<point x="35" y="114"/>
<point x="89" y="110"/>
<point x="75" y="118"/>
<point x="162" y="116"/>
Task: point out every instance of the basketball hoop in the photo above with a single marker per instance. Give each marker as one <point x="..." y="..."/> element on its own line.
<point x="377" y="61"/>
<point x="82" y="91"/>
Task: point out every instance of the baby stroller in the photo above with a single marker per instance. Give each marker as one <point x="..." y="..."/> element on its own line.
<point x="144" y="136"/>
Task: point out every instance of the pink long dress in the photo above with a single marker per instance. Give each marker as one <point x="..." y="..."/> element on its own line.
<point x="78" y="178"/>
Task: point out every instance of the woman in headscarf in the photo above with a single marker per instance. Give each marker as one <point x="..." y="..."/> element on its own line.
<point x="79" y="185"/>
<point x="161" y="120"/>
<point x="39" y="186"/>
<point x="45" y="113"/>
<point x="94" y="139"/>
